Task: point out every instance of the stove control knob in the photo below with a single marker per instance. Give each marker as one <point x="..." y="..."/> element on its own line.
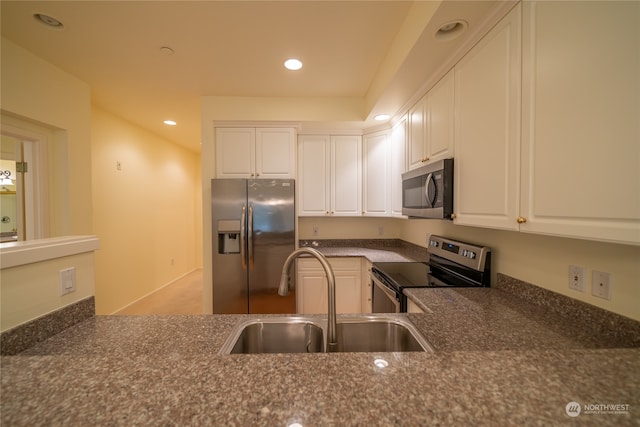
<point x="433" y="243"/>
<point x="471" y="254"/>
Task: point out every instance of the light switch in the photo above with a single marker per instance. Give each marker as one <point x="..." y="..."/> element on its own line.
<point x="67" y="280"/>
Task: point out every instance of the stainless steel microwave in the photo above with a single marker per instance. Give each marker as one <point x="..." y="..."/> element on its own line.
<point x="427" y="192"/>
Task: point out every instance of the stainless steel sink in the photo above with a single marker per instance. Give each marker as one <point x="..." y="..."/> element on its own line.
<point x="375" y="334"/>
<point x="278" y="335"/>
<point x="366" y="333"/>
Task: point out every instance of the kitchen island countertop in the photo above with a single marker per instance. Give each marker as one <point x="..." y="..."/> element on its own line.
<point x="497" y="361"/>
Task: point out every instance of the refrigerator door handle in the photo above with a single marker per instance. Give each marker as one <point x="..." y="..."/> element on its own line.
<point x="243" y="238"/>
<point x="250" y="235"/>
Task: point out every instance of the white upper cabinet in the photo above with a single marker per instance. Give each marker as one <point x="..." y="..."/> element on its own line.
<point x="581" y="109"/>
<point x="398" y="164"/>
<point x="346" y="175"/>
<point x="235" y="152"/>
<point x="275" y="153"/>
<point x="431" y="124"/>
<point x="440" y="119"/>
<point x="487" y="129"/>
<point x="376" y="171"/>
<point x="416" y="126"/>
<point x="255" y="153"/>
<point x="330" y="178"/>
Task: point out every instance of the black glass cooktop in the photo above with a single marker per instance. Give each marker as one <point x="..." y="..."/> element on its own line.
<point x="405" y="274"/>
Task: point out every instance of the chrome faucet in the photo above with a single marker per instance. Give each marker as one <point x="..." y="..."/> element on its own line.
<point x="283" y="290"/>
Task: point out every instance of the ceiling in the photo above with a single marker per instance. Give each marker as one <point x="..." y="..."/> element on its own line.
<point x="358" y="49"/>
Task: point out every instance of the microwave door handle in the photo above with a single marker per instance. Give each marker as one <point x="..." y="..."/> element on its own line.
<point x="430" y="190"/>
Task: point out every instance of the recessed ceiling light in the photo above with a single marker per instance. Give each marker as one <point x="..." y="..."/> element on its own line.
<point x="381" y="117"/>
<point x="293" y="64"/>
<point x="170" y="123"/>
<point x="166" y="50"/>
<point x="451" y="30"/>
<point x="49" y="21"/>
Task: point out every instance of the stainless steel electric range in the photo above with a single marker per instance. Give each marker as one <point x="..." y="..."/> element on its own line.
<point x="451" y="263"/>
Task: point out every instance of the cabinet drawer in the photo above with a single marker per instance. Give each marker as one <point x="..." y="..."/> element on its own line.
<point x="337" y="264"/>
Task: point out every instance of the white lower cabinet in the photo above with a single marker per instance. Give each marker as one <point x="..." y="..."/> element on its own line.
<point x="311" y="285"/>
<point x="367" y="290"/>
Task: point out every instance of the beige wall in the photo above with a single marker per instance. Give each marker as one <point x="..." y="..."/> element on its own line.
<point x="147" y="214"/>
<point x="34" y="91"/>
<point x="349" y="228"/>
<point x="30" y="291"/>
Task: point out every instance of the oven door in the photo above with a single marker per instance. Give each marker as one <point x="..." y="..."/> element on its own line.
<point x="384" y="299"/>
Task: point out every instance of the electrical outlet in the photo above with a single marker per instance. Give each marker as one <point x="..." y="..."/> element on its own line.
<point x="118" y="165"/>
<point x="380" y="231"/>
<point x="67" y="281"/>
<point x="576" y="278"/>
<point x="601" y="284"/>
<point x="316" y="229"/>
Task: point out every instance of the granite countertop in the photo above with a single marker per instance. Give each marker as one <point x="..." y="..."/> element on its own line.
<point x="391" y="250"/>
<point x="497" y="361"/>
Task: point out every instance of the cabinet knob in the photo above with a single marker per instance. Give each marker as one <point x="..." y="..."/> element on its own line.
<point x="425" y="159"/>
<point x="521" y="220"/>
<point x="453" y="216"/>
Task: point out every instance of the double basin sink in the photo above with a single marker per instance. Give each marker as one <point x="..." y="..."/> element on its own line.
<point x="307" y="334"/>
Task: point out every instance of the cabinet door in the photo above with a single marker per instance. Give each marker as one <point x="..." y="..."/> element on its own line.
<point x="313" y="175"/>
<point x="346" y="175"/>
<point x="275" y="153"/>
<point x="235" y="152"/>
<point x="377" y="183"/>
<point x="348" y="292"/>
<point x="487" y="129"/>
<point x="581" y="139"/>
<point x="440" y="123"/>
<point x="366" y="286"/>
<point x="311" y="292"/>
<point x="417" y="122"/>
<point x="398" y="164"/>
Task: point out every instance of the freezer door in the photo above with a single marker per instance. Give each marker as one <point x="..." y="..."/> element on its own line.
<point x="230" y="275"/>
<point x="271" y="238"/>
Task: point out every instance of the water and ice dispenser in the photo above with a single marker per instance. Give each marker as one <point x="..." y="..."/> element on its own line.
<point x="228" y="237"/>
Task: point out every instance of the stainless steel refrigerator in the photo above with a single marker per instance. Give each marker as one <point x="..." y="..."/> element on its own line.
<point x="254" y="232"/>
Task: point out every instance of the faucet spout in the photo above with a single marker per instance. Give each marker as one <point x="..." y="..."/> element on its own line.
<point x="283" y="289"/>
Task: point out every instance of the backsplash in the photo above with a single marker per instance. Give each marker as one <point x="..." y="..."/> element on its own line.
<point x="593" y="318"/>
<point x="22" y="337"/>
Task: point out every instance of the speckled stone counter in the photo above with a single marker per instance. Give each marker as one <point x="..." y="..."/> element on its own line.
<point x="375" y="250"/>
<point x="498" y="361"/>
